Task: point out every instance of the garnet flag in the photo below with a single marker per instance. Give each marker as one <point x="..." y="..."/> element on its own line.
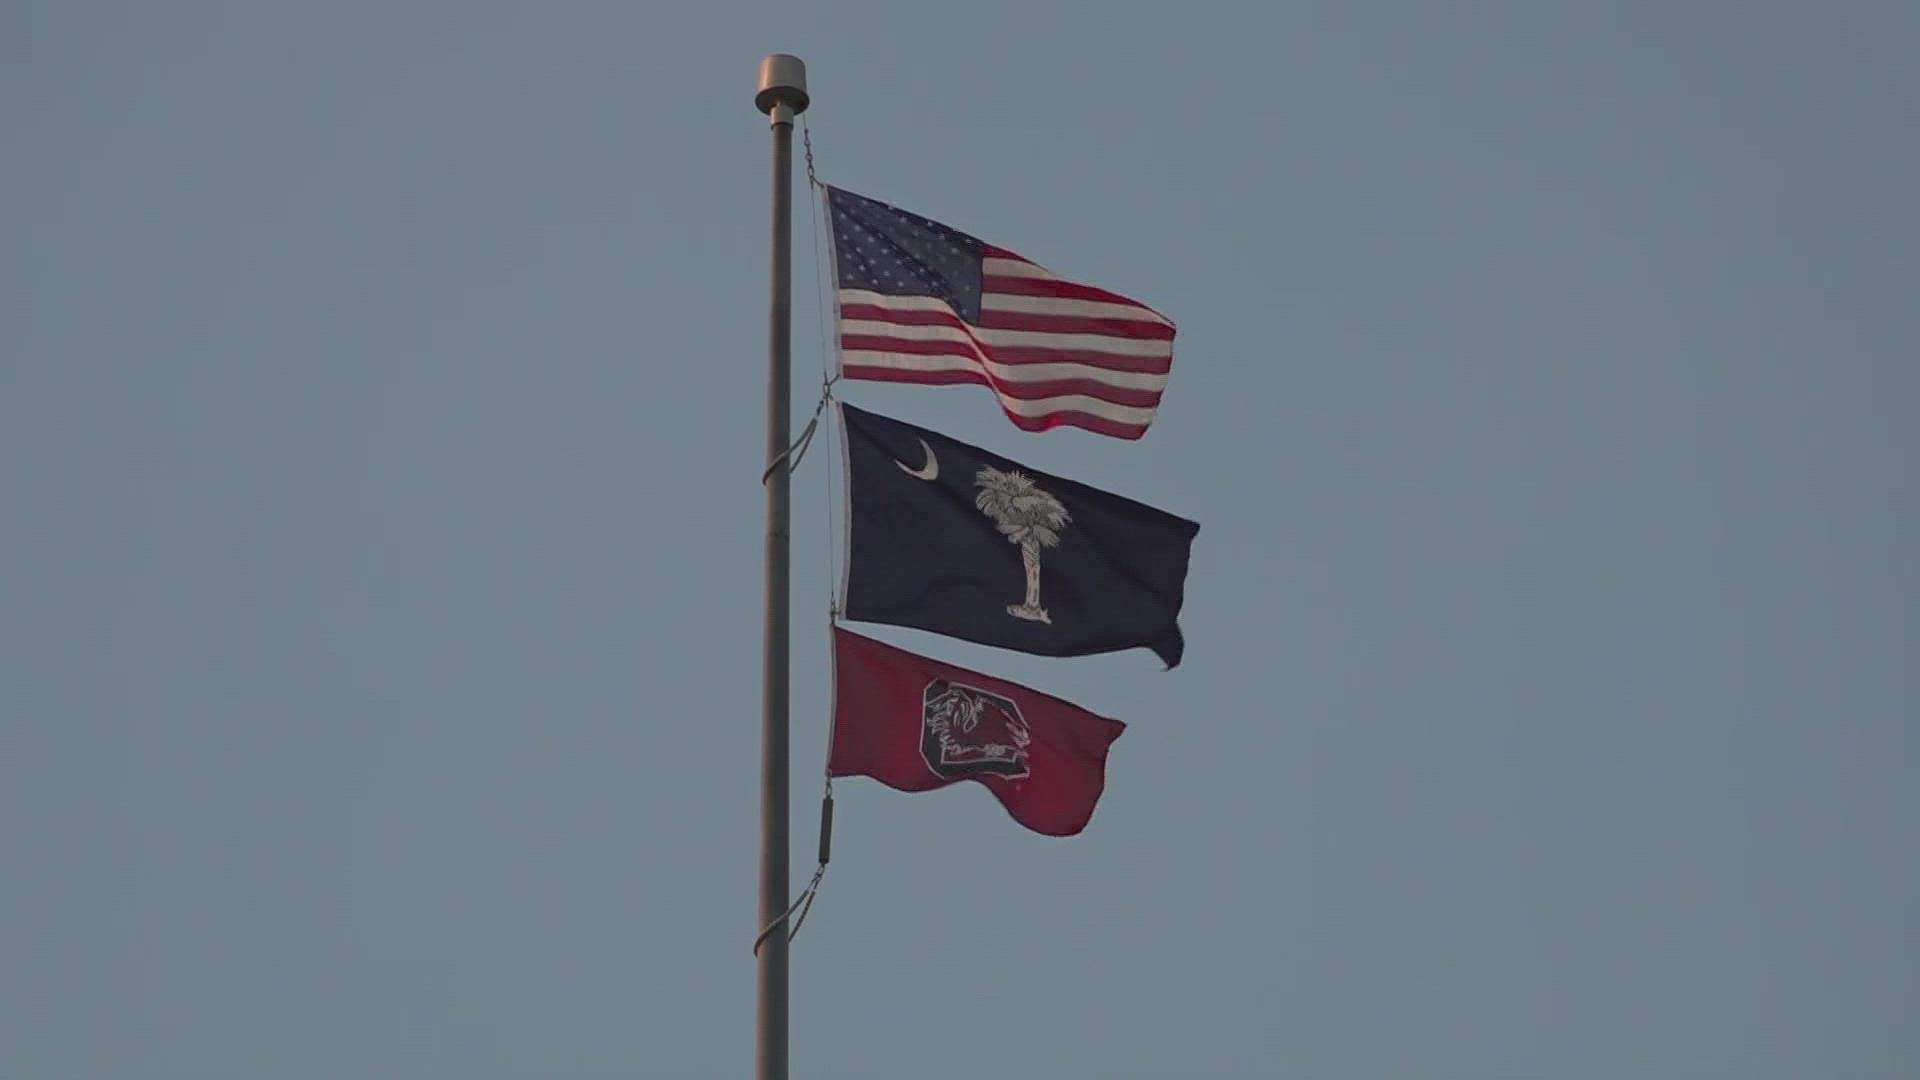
<point x="922" y="302"/>
<point x="916" y="724"/>
<point x="946" y="537"/>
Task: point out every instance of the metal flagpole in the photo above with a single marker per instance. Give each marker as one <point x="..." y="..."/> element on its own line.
<point x="782" y="96"/>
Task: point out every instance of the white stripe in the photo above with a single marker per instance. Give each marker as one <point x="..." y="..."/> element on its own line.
<point x="896" y="303"/>
<point x="1078" y="309"/>
<point x="1107" y="410"/>
<point x="1093" y="343"/>
<point x="1017" y="268"/>
<point x="1033" y="305"/>
<point x="1013" y="373"/>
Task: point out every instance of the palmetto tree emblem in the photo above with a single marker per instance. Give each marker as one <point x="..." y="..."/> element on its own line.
<point x="1026" y="516"/>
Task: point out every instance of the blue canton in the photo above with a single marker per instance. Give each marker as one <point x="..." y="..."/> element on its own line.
<point x="892" y="252"/>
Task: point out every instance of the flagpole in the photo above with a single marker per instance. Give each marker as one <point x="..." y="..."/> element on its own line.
<point x="782" y="95"/>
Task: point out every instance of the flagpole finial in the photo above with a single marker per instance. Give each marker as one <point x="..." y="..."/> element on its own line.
<point x="783" y="88"/>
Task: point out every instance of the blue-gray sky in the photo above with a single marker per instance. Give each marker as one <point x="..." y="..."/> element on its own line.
<point x="380" y="418"/>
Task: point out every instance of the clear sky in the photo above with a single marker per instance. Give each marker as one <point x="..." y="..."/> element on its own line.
<point x="381" y="395"/>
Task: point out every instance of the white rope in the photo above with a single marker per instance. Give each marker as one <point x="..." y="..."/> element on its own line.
<point x="823" y="268"/>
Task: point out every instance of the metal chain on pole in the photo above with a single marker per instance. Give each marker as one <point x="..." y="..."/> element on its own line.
<point x="806" y="139"/>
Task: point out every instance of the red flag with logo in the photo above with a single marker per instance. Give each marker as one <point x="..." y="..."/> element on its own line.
<point x="917" y="724"/>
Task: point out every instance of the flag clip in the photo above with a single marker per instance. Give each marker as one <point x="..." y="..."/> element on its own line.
<point x="798" y="450"/>
<point x="804" y="902"/>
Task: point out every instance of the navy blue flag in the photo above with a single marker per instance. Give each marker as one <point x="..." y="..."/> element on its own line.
<point x="949" y="538"/>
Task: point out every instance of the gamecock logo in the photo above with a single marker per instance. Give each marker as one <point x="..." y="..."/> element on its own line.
<point x="965" y="730"/>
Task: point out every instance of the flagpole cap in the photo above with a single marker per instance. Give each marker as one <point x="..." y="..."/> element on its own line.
<point x="783" y="81"/>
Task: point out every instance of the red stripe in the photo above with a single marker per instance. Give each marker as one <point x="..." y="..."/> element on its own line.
<point x="1035" y="391"/>
<point x="1146" y="365"/>
<point x="997" y="319"/>
<point x="1119" y="395"/>
<point x="1062" y="418"/>
<point x="1064" y="290"/>
<point x="1070" y="290"/>
<point x="931" y="378"/>
<point x="1013" y="320"/>
<point x="908" y="317"/>
<point x="1074" y="418"/>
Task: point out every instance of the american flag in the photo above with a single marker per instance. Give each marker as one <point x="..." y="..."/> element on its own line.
<point x="920" y="302"/>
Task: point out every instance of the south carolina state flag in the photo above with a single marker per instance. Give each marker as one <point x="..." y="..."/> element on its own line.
<point x="916" y="724"/>
<point x="947" y="537"/>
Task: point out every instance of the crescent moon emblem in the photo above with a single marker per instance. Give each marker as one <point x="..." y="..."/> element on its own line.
<point x="929" y="471"/>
